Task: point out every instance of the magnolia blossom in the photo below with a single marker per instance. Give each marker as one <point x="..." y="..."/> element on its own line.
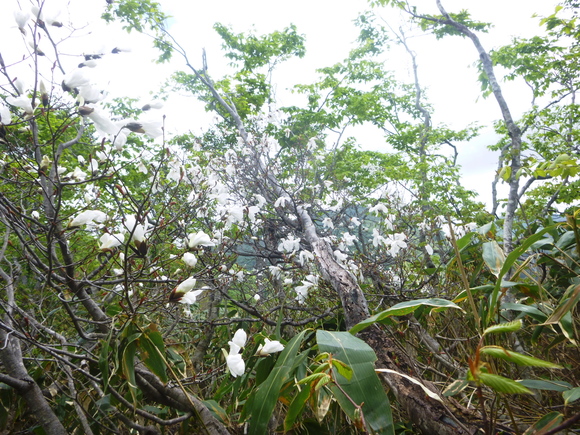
<point x="190" y="297"/>
<point x="341" y="257"/>
<point x="21" y="18"/>
<point x="355" y="221"/>
<point x="236" y="364"/>
<point x="377" y="238"/>
<point x="289" y="245"/>
<point x="75" y="79"/>
<point x="275" y="271"/>
<point x="396" y="242"/>
<point x="138" y="230"/>
<point x="87" y="217"/>
<point x="281" y="202"/>
<point x="429" y="249"/>
<point x="5" y="115"/>
<point x="23" y="102"/>
<point x="379" y="208"/>
<point x="327" y="223"/>
<point x="186" y="285"/>
<point x="302" y="290"/>
<point x="257" y="297"/>
<point x="189" y="259"/>
<point x="239" y="340"/>
<point x="110" y="241"/>
<point x="234" y="359"/>
<point x="305" y="256"/>
<point x="269" y="346"/>
<point x="348" y="239"/>
<point x="199" y="239"/>
<point x="35" y="214"/>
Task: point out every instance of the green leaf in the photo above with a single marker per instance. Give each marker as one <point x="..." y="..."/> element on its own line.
<point x="507" y="265"/>
<point x="342" y="368"/>
<point x="128" y="363"/>
<point x="546" y="423"/>
<point x="513" y="326"/>
<point x="364" y="387"/>
<point x="455" y="387"/>
<point x="541" y="384"/>
<point x="296" y="407"/>
<point x="526" y="309"/>
<point x="515" y="357"/>
<point x="502" y="385"/>
<point x="153" y="351"/>
<point x="402" y="309"/>
<point x="493" y="256"/>
<point x="266" y="395"/>
<point x="571" y="395"/>
<point x="216" y="410"/>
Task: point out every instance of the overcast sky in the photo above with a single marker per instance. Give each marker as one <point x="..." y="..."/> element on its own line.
<point x="445" y="67"/>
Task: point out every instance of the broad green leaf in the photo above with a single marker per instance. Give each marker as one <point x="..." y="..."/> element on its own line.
<point x="217" y="410"/>
<point x="546" y="423"/>
<point x="493" y="256"/>
<point x="296" y="407"/>
<point x="342" y="368"/>
<point x="402" y="309"/>
<point x="364" y="385"/>
<point x="530" y="310"/>
<point x="455" y="387"/>
<point x="513" y="326"/>
<point x="515" y="357"/>
<point x="571" y="395"/>
<point x="508" y="264"/>
<point x="152" y="349"/>
<point x="502" y="385"/>
<point x="541" y="384"/>
<point x="128" y="363"/>
<point x="266" y="396"/>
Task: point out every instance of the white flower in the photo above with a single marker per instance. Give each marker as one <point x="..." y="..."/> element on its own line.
<point x="186" y="285"/>
<point x="377" y="238"/>
<point x="189" y="259"/>
<point x="379" y="208"/>
<point x="261" y="200"/>
<point x="190" y="297"/>
<point x="75" y="79"/>
<point x="281" y="202"/>
<point x="110" y="241"/>
<point x="269" y="346"/>
<point x="302" y="290"/>
<point x="35" y="214"/>
<point x="199" y="239"/>
<point x="23" y="102"/>
<point x="305" y="256"/>
<point x="21" y="17"/>
<point x="355" y="221"/>
<point x="289" y="245"/>
<point x="340" y="256"/>
<point x="429" y="249"/>
<point x="87" y="217"/>
<point x="252" y="211"/>
<point x="397" y="242"/>
<point x="348" y="239"/>
<point x="239" y="340"/>
<point x="78" y="174"/>
<point x="257" y="297"/>
<point x="275" y="271"/>
<point x="327" y="223"/>
<point x="137" y="229"/>
<point x="236" y="364"/>
<point x="152" y="105"/>
<point x="5" y="115"/>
